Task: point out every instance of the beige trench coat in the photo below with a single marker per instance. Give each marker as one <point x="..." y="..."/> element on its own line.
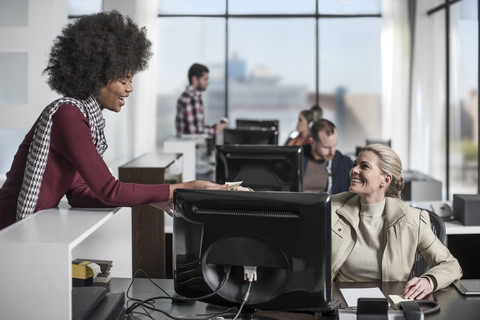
<point x="407" y="231"/>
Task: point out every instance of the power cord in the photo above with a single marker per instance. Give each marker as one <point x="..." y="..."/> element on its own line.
<point x="226" y="270"/>
<point x="148" y="304"/>
<point x="432" y="306"/>
<point x="249" y="274"/>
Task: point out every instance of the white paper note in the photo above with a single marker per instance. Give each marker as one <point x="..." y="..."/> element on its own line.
<point x="351" y="295"/>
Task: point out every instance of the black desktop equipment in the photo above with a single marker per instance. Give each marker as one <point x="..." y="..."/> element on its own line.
<point x="250" y="136"/>
<point x="387" y="143"/>
<point x="257" y="124"/>
<point x="279" y="240"/>
<point x="261" y="167"/>
<point x="420" y="187"/>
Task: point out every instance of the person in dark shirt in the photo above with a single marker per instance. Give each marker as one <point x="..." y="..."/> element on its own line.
<point x="91" y="65"/>
<point x="325" y="168"/>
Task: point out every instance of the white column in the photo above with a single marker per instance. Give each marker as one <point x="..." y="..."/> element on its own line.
<point x="395" y="43"/>
<point x="132" y="132"/>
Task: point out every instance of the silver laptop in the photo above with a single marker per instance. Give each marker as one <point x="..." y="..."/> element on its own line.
<point x="468" y="286"/>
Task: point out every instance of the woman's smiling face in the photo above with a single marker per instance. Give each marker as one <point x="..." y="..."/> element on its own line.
<point x="367" y="179"/>
<point x="112" y="96"/>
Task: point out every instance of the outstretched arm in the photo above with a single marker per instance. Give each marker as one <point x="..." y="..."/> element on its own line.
<point x="197" y="184"/>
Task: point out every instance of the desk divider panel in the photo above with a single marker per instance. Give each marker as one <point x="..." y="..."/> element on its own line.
<point x="148" y="225"/>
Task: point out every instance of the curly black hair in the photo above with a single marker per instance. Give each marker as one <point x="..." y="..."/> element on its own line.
<point x="94" y="51"/>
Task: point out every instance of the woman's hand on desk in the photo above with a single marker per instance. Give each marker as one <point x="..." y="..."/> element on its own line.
<point x="196" y="184"/>
<point x="240" y="188"/>
<point x="201" y="184"/>
<point x="417" y="288"/>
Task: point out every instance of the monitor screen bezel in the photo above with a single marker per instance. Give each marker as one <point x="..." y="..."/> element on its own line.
<point x="225" y="153"/>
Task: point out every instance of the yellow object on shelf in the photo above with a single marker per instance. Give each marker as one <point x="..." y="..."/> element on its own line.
<point x="82" y="270"/>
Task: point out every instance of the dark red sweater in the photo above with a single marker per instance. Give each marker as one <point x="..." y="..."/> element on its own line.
<point x="74" y="168"/>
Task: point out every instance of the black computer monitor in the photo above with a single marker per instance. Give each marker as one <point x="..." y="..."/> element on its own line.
<point x="250" y="136"/>
<point x="261" y="167"/>
<point x="285" y="236"/>
<point x="257" y="124"/>
<point x="387" y="143"/>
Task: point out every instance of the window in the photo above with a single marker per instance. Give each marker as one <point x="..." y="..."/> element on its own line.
<point x="184" y="41"/>
<point x="269" y="49"/>
<point x="196" y="7"/>
<point x="83" y="7"/>
<point x="271" y="75"/>
<point x="13" y="84"/>
<point x="350" y="78"/>
<point x="463" y="98"/>
<point x="16" y="15"/>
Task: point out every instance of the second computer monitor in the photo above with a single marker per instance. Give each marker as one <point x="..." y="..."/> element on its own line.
<point x="250" y="136"/>
<point x="261" y="167"/>
<point x="257" y="124"/>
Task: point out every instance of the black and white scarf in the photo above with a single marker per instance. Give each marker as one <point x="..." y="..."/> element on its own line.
<point x="40" y="146"/>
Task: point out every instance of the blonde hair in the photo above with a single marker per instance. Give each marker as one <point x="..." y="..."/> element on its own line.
<point x="389" y="163"/>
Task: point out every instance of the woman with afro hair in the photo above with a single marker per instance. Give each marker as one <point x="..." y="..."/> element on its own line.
<point x="91" y="65"/>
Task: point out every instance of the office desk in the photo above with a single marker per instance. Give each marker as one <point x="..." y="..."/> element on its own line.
<point x="453" y="305"/>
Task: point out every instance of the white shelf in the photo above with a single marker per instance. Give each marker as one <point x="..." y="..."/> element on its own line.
<point x="36" y="271"/>
<point x="455" y="227"/>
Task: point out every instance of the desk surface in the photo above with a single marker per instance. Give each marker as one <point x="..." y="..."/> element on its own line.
<point x="453" y="305"/>
<point x="455" y="227"/>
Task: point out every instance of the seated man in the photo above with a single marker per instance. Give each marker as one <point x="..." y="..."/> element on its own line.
<point x="325" y="168"/>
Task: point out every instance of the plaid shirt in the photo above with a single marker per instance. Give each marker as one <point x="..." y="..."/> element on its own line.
<point x="190" y="117"/>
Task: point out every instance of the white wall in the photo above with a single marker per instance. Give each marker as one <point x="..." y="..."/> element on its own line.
<point x="46" y="19"/>
<point x="131" y="133"/>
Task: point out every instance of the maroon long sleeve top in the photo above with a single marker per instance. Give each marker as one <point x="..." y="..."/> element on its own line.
<point x="75" y="169"/>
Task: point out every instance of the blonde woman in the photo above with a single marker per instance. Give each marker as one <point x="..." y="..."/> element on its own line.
<point x="375" y="235"/>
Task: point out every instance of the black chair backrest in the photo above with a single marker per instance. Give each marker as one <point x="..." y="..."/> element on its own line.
<point x="420" y="266"/>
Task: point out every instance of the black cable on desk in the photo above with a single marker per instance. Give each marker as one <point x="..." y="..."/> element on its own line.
<point x="244" y="300"/>
<point x="149" y="303"/>
<point x="433" y="306"/>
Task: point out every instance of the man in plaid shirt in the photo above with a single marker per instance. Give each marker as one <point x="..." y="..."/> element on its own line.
<point x="190" y="117"/>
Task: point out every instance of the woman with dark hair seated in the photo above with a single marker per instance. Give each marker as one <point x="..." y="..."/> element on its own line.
<point x="375" y="235"/>
<point x="91" y="64"/>
<point x="301" y="136"/>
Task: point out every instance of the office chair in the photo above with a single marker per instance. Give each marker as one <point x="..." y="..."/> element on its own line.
<point x="420" y="266"/>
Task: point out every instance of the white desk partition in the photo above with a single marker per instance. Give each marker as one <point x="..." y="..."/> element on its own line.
<point x="186" y="144"/>
<point x="36" y="257"/>
<point x="188" y="149"/>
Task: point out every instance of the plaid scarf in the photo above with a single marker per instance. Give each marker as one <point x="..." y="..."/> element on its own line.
<point x="40" y="146"/>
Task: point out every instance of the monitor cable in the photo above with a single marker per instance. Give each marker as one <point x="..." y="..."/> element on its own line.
<point x="149" y="303"/>
<point x="226" y="270"/>
<point x="250" y="274"/>
<point x="428" y="306"/>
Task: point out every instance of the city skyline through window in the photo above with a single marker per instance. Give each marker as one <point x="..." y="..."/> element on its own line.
<point x="263" y="82"/>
